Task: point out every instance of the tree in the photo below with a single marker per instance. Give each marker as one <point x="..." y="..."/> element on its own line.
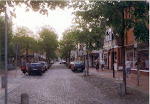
<point x="113" y="12"/>
<point x="90" y="31"/>
<point x="48" y="42"/>
<point x="23" y="38"/>
<point x="67" y="43"/>
<point x="2" y="40"/>
<point x="37" y="6"/>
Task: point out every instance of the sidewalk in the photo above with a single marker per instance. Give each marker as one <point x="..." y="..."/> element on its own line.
<point x="10" y="86"/>
<point x="131" y="82"/>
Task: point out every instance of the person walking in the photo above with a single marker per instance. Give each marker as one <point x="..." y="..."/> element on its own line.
<point x="102" y="64"/>
<point x="128" y="68"/>
<point x="97" y="64"/>
<point x="27" y="65"/>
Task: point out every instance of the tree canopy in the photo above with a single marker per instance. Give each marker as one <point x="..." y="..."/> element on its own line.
<point x="67" y="44"/>
<point x="24" y="39"/>
<point x="37" y="6"/>
<point x="48" y="42"/>
<point x="2" y="40"/>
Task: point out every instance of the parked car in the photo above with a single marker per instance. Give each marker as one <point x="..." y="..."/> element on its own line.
<point x="52" y="62"/>
<point x="63" y="62"/>
<point x="44" y="64"/>
<point x="35" y="68"/>
<point x="77" y="66"/>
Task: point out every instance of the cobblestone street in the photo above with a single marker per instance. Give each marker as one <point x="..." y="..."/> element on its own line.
<point x="60" y="85"/>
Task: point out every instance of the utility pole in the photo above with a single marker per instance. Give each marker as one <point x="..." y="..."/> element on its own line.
<point x="6" y="69"/>
<point x="16" y="48"/>
<point x="27" y="52"/>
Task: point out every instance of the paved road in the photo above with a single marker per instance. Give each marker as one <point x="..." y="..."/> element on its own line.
<point x="59" y="85"/>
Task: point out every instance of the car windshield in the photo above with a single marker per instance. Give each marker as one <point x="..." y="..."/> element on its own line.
<point x="35" y="65"/>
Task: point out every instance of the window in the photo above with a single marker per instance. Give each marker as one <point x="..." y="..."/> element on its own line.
<point x="130" y="10"/>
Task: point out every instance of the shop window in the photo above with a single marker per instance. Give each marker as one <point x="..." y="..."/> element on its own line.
<point x="144" y="59"/>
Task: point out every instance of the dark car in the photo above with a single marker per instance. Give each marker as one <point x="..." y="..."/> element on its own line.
<point x="35" y="68"/>
<point x="78" y="66"/>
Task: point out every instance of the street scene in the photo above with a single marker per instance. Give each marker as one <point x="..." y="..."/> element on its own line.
<point x="59" y="85"/>
<point x="74" y="52"/>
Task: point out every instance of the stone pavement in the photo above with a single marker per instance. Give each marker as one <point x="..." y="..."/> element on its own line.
<point x="12" y="74"/>
<point x="60" y="85"/>
<point x="131" y="81"/>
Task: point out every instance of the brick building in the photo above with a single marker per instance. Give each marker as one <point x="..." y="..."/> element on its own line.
<point x="133" y="49"/>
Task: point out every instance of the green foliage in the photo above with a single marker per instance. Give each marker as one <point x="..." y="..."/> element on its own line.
<point x="141" y="32"/>
<point x="24" y="39"/>
<point x="48" y="42"/>
<point x="37" y="6"/>
<point x="90" y="31"/>
<point x="2" y="40"/>
<point x="68" y="43"/>
<point x="113" y="12"/>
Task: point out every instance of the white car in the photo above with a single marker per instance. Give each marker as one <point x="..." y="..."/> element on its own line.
<point x="62" y="62"/>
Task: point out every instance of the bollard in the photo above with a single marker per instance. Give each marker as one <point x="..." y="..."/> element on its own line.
<point x="3" y="82"/>
<point x="24" y="98"/>
<point x="84" y="72"/>
<point x="122" y="89"/>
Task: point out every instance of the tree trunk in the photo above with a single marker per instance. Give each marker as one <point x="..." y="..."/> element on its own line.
<point x="87" y="63"/>
<point x="123" y="49"/>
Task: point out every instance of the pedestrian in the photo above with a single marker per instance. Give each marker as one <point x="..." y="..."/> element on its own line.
<point x="97" y="64"/>
<point x="27" y="66"/>
<point x="102" y="64"/>
<point x="128" y="68"/>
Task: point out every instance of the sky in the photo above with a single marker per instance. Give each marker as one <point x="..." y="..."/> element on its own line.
<point x="58" y="19"/>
